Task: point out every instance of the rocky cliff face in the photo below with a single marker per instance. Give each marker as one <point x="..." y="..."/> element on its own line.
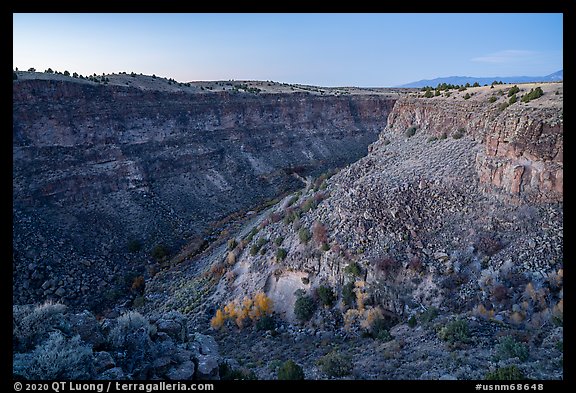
<point x="523" y="144"/>
<point x="96" y="167"/>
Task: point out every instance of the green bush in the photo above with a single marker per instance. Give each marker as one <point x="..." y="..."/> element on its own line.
<point x="428" y="315"/>
<point x="348" y="295"/>
<point x="325" y="247"/>
<point x="304" y="308"/>
<point x="510" y="373"/>
<point x="508" y="347"/>
<point x="309" y="204"/>
<point x="455" y="332"/>
<point x="304" y="235"/>
<point x="281" y="254"/>
<point x="56" y="358"/>
<point x="512" y="99"/>
<point x="335" y="364"/>
<point x="503" y="106"/>
<point x="533" y="94"/>
<point x="290" y="371"/>
<point x="432" y="139"/>
<point x="467" y="96"/>
<point x="278" y="241"/>
<point x="492" y="99"/>
<point x="353" y="269"/>
<point x="326" y="295"/>
<point x="428" y="94"/>
<point x="266" y="323"/>
<point x="410" y="132"/>
<point x="159" y="252"/>
<point x="412" y="321"/>
<point x="379" y="330"/>
<point x="513" y="90"/>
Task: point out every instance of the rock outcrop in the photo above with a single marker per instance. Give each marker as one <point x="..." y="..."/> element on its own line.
<point x="523" y="154"/>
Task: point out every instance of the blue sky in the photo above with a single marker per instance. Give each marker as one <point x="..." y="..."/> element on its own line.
<point x="318" y="49"/>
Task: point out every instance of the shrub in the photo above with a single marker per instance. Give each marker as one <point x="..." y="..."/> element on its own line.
<point x="126" y="324"/>
<point x="378" y="328"/>
<point x="410" y="132"/>
<point x="32" y="324"/>
<point x="509" y="373"/>
<point x="159" y="252"/>
<point x="533" y="94"/>
<point x="503" y="106"/>
<point x="492" y="99"/>
<point x="512" y="100"/>
<point x="326" y="295"/>
<point x="304" y="235"/>
<point x="513" y="90"/>
<point x="134" y="246"/>
<point x="412" y="321"/>
<point x="508" y="347"/>
<point x="455" y="332"/>
<point x="278" y="241"/>
<point x="232" y="243"/>
<point x="228" y="374"/>
<point x="304" y="308"/>
<point x="476" y="84"/>
<point x="290" y="371"/>
<point x="432" y="139"/>
<point x="291" y="216"/>
<point x="31" y="69"/>
<point x="251" y="235"/>
<point x="281" y="254"/>
<point x="335" y="364"/>
<point x="467" y="96"/>
<point x="138" y="284"/>
<point x="428" y="94"/>
<point x="458" y="134"/>
<point x="266" y="323"/>
<point x="348" y="295"/>
<point x="325" y="247"/>
<point x="353" y="269"/>
<point x="309" y="204"/>
<point x="56" y="358"/>
<point x="292" y="201"/>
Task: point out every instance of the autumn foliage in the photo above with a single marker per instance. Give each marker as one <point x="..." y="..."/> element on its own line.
<point x="243" y="312"/>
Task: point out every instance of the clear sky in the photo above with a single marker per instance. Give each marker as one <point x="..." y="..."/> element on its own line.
<point x="318" y="49"/>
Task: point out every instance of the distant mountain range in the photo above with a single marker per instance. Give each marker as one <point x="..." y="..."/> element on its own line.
<point x="462" y="80"/>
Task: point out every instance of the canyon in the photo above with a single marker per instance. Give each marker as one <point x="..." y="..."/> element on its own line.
<point x="125" y="165"/>
<point x="396" y="236"/>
